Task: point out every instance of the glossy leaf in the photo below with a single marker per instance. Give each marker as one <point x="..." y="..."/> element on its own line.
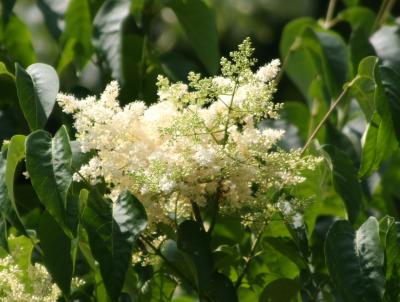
<point x="355" y="260"/>
<point x="111" y="238"/>
<point x="48" y="161"/>
<point x="195" y="244"/>
<point x="56" y="247"/>
<point x="107" y="33"/>
<point x="198" y="22"/>
<point x="37" y="88"/>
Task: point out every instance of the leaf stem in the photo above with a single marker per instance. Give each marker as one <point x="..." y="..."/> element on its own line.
<point x="326" y="116"/>
<point x="250" y="257"/>
<point x="329" y="13"/>
<point x="197" y="214"/>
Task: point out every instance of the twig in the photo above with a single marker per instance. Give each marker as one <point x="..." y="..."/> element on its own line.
<point x="326" y="116"/>
<point x="250" y="257"/>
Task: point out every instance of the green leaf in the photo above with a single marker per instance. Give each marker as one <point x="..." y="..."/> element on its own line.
<point x="386" y="43"/>
<point x="287" y="248"/>
<point x="344" y="176"/>
<point x="221" y="289"/>
<point x="355" y="261"/>
<point x="363" y="88"/>
<point x="130" y="215"/>
<point x="76" y="39"/>
<point x="369" y="160"/>
<point x="56" y="247"/>
<point x="37" y="88"/>
<point x="280" y="290"/>
<point x="111" y="238"/>
<point x="7" y="8"/>
<point x="15" y="154"/>
<point x="197" y="19"/>
<point x="107" y="33"/>
<point x="311" y="51"/>
<point x="17" y="40"/>
<point x="350" y="2"/>
<point x="48" y="161"/>
<point x="388" y="231"/>
<point x="195" y="244"/>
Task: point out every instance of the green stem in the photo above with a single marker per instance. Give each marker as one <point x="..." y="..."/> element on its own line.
<point x="197" y="214"/>
<point x="326" y="116"/>
<point x="250" y="257"/>
<point x="329" y="13"/>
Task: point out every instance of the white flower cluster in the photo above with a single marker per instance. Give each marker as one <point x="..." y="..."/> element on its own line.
<point x="25" y="285"/>
<point x="200" y="142"/>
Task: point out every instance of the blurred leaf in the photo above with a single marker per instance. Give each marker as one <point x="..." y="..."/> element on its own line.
<point x="197" y="19"/>
<point x="53" y="12"/>
<point x="56" y="248"/>
<point x="359" y="18"/>
<point x="386" y="43"/>
<point x="355" y="261"/>
<point x="17" y="40"/>
<point x="344" y="176"/>
<point x="280" y="290"/>
<point x="48" y="161"/>
<point x="310" y="51"/>
<point x="7" y="8"/>
<point x="350" y="2"/>
<point x="37" y="88"/>
<point x="195" y="244"/>
<point x="111" y="238"/>
<point x="107" y="33"/>
<point x="288" y="249"/>
<point x="76" y="39"/>
<point x="221" y="289"/>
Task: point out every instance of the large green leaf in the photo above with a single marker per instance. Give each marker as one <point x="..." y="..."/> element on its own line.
<point x="48" y="161"/>
<point x="311" y="51"/>
<point x="195" y="244"/>
<point x="56" y="247"/>
<point x="344" y="176"/>
<point x="76" y="39"/>
<point x="111" y="238"/>
<point x="355" y="260"/>
<point x="37" y="88"/>
<point x="197" y="19"/>
<point x="107" y="33"/>
<point x="18" y="41"/>
<point x="221" y="289"/>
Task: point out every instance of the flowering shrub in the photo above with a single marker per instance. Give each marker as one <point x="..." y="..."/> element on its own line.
<point x="200" y="143"/>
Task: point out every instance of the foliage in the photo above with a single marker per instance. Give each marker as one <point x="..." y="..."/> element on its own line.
<point x="332" y="237"/>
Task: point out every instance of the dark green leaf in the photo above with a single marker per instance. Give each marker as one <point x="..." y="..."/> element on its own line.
<point x="221" y="289"/>
<point x="280" y="290"/>
<point x="37" y="88"/>
<point x="48" y="161"/>
<point x="7" y="8"/>
<point x="288" y="249"/>
<point x="130" y="215"/>
<point x="355" y="261"/>
<point x="198" y="21"/>
<point x="389" y="234"/>
<point x="195" y="244"/>
<point x="56" y="247"/>
<point x="344" y="176"/>
<point x="111" y="238"/>
<point x="107" y="33"/>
